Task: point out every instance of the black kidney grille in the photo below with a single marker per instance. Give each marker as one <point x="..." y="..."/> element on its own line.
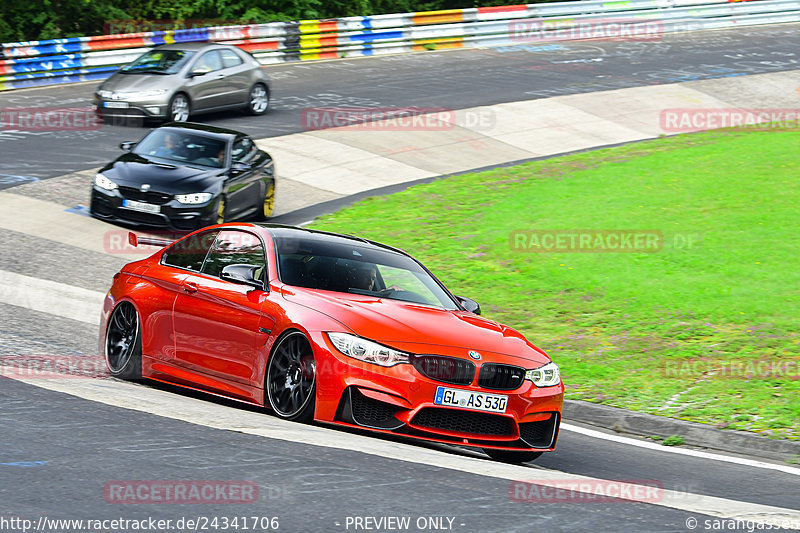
<point x="445" y="369"/>
<point x="501" y="377"/>
<point x="463" y="421"/>
<point x="151" y="197"/>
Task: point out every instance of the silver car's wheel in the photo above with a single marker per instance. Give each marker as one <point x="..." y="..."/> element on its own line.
<point x="259" y="100"/>
<point x="179" y="108"/>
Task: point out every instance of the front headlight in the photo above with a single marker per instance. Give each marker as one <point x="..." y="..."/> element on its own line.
<point x="196" y="198"/>
<point x="365" y="350"/>
<point x="104" y="183"/>
<point x="141" y="94"/>
<point x="548" y="375"/>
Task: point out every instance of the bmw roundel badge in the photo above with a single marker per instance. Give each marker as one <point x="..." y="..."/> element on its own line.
<point x="475" y="355"/>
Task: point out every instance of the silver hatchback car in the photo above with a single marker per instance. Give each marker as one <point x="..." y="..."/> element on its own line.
<point x="173" y="81"/>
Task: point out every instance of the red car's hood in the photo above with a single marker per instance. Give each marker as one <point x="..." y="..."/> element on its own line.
<point x="393" y="322"/>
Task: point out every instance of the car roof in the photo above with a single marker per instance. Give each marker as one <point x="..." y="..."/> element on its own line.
<point x="193" y="45"/>
<point x="204" y="128"/>
<point x="280" y="230"/>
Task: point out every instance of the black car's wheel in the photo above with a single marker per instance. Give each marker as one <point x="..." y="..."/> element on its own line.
<point x="124" y="343"/>
<point x="292" y="378"/>
<point x="179" y="108"/>
<point x="220" y="211"/>
<point x="268" y="205"/>
<point x="258" y="102"/>
<point x="506" y="456"/>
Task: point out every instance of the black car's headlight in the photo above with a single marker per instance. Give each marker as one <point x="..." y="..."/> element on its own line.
<point x="192" y="199"/>
<point x="104" y="183"/>
<point x="365" y="350"/>
<point x="548" y="375"/>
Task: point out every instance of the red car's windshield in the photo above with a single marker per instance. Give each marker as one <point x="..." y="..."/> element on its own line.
<point x="346" y="266"/>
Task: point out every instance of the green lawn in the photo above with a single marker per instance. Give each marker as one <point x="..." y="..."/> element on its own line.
<point x="706" y="329"/>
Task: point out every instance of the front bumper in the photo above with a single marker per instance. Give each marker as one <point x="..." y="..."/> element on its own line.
<point x="155" y="108"/>
<point x="400" y="400"/>
<point x="107" y="205"/>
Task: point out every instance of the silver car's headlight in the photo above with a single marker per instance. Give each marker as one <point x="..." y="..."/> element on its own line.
<point x="365" y="350"/>
<point x="548" y="375"/>
<point x="142" y="94"/>
<point x="104" y="183"/>
<point x="196" y="198"/>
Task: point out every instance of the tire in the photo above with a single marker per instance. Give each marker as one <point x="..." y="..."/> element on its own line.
<point x="292" y="378"/>
<point x="268" y="205"/>
<point x="506" y="456"/>
<point x="258" y="99"/>
<point x="123" y="346"/>
<point x="179" y="108"/>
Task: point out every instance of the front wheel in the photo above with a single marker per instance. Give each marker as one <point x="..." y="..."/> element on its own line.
<point x="220" y="211"/>
<point x="292" y="378"/>
<point x="124" y="342"/>
<point x="258" y="102"/>
<point x="506" y="456"/>
<point x="179" y="108"/>
<point x="268" y="205"/>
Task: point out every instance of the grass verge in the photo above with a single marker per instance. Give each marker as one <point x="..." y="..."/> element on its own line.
<point x="705" y="329"/>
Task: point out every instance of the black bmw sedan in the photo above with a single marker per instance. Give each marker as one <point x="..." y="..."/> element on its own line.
<point x="185" y="176"/>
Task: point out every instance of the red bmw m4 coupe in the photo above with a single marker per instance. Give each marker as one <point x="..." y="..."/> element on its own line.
<point x="332" y="328"/>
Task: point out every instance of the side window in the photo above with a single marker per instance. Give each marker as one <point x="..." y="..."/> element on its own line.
<point x="230" y="58"/>
<point x="232" y="248"/>
<point x="243" y="149"/>
<point x="209" y="62"/>
<point x="189" y="253"/>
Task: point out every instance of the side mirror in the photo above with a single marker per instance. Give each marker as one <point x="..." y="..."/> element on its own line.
<point x="243" y="275"/>
<point x="199" y="71"/>
<point x="468" y="304"/>
<point x="127" y="145"/>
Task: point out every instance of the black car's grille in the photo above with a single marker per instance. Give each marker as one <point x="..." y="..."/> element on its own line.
<point x="501" y="377"/>
<point x="445" y="369"/>
<point x="464" y="421"/>
<point x="539" y="434"/>
<point x="151" y="197"/>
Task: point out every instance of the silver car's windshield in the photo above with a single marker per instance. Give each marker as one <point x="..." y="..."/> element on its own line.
<point x="348" y="267"/>
<point x="184" y="148"/>
<point x="159" y="62"/>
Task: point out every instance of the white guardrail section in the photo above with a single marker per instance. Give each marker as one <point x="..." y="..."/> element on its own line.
<point x="61" y="61"/>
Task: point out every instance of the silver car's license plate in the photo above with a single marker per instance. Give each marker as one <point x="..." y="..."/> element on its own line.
<point x="141" y="206"/>
<point x="116" y="105"/>
<point x="480" y="401"/>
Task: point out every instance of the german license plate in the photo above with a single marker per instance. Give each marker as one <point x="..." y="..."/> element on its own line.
<point x="141" y="206"/>
<point x="480" y="401"/>
<point x="116" y="105"/>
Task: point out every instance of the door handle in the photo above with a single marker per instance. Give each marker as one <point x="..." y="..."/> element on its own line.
<point x="220" y="76"/>
<point x="190" y="287"/>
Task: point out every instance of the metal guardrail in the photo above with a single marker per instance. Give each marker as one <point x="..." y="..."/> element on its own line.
<point x="59" y="61"/>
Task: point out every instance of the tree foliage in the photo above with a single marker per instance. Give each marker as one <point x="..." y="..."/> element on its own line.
<point x="54" y="19"/>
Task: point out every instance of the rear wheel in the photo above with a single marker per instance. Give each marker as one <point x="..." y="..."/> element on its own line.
<point x="179" y="108"/>
<point x="506" y="456"/>
<point x="258" y="102"/>
<point x="292" y="378"/>
<point x="268" y="205"/>
<point x="124" y="342"/>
